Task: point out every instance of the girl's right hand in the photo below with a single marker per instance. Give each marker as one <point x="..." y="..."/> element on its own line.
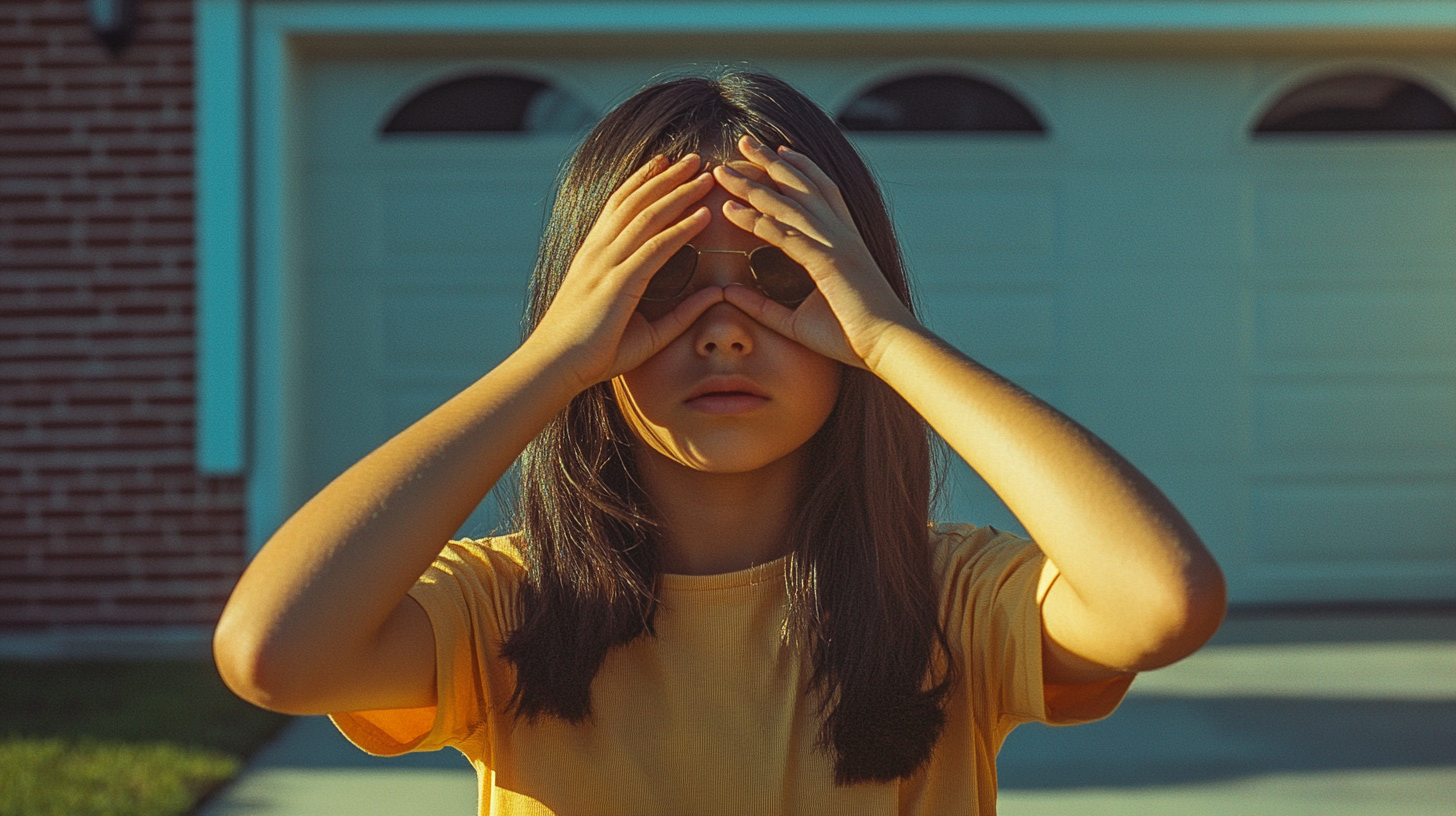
<point x="593" y="327"/>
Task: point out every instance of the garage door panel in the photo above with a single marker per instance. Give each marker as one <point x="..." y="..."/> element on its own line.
<point x="974" y="221"/>
<point x="1356" y="329"/>
<point x="1136" y="220"/>
<point x="472" y="214"/>
<point x="463" y="332"/>
<point x="1159" y="111"/>
<point x="1365" y="424"/>
<point x="335" y="205"/>
<point x="1379" y="525"/>
<point x="998" y="329"/>
<point x="1373" y="221"/>
<point x="337" y="403"/>
<point x="468" y="223"/>
<point x="1149" y="362"/>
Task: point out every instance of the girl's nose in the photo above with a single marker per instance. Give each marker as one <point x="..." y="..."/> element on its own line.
<point x="723" y="329"/>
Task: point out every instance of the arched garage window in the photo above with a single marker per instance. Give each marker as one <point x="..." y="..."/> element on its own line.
<point x="939" y="103"/>
<point x="489" y="103"/>
<point x="1358" y="103"/>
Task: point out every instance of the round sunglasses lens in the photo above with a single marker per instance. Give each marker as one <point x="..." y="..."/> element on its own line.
<point x="780" y="277"/>
<point x="674" y="275"/>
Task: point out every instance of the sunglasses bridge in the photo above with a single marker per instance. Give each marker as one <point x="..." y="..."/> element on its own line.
<point x="758" y="275"/>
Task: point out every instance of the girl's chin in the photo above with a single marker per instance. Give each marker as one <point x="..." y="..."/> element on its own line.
<point x="722" y="459"/>
<point x="727" y="404"/>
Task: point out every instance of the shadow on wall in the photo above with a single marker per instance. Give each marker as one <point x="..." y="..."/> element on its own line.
<point x="1151" y="741"/>
<point x="1155" y="741"/>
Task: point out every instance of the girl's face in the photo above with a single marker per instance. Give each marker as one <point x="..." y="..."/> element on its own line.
<point x="729" y="395"/>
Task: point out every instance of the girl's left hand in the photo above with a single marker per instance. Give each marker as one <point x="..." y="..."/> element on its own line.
<point x="803" y="213"/>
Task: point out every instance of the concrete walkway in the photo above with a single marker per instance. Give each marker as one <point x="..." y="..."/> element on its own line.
<point x="1281" y="715"/>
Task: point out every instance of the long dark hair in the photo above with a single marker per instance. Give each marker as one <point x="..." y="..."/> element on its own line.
<point x="862" y="601"/>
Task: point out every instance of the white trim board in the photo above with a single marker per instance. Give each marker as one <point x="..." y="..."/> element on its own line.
<point x="245" y="73"/>
<point x="858" y="16"/>
<point x="221" y="230"/>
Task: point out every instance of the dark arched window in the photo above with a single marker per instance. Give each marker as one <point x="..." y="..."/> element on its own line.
<point x="939" y="103"/>
<point x="1358" y="103"/>
<point x="489" y="103"/>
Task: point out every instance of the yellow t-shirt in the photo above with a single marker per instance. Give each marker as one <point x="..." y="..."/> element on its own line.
<point x="711" y="716"/>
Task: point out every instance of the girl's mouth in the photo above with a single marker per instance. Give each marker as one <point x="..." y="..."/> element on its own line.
<point x="727" y="402"/>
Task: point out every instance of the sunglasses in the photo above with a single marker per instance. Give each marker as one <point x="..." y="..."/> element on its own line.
<point x="775" y="274"/>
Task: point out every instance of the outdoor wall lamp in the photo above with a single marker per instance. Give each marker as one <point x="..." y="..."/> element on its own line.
<point x="113" y="22"/>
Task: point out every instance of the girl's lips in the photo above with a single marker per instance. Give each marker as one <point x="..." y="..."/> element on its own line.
<point x="726" y="394"/>
<point x="727" y="402"/>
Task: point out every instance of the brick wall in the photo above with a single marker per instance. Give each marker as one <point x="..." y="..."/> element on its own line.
<point x="103" y="519"/>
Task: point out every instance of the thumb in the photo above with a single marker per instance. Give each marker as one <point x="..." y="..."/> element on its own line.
<point x="644" y="338"/>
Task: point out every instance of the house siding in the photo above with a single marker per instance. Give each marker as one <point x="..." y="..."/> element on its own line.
<point x="103" y="516"/>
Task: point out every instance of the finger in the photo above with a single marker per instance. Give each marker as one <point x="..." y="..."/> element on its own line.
<point x="783" y="173"/>
<point x="761" y="307"/>
<point x="666" y="328"/>
<point x="652" y="187"/>
<point x="809" y="250"/>
<point x="784" y="178"/>
<point x="654" y="165"/>
<point x="659" y="185"/>
<point x="772" y="203"/>
<point x="643" y="263"/>
<point x="644" y="338"/>
<point x="821" y="181"/>
<point x="658" y="215"/>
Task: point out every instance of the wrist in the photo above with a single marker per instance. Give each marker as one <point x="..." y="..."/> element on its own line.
<point x="893" y="336"/>
<point x="551" y="367"/>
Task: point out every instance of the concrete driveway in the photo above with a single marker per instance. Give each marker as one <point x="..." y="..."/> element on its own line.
<point x="1282" y="715"/>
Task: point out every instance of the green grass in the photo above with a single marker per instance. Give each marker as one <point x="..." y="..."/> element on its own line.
<point x="135" y="738"/>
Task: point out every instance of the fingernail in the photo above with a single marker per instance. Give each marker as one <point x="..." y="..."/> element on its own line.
<point x="730" y="171"/>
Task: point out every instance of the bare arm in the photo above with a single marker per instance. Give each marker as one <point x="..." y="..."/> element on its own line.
<point x="321" y="621"/>
<point x="1137" y="589"/>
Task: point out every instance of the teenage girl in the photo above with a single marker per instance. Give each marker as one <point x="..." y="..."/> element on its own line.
<point x="723" y="594"/>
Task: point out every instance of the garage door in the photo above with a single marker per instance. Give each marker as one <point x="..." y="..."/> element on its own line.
<point x="1265" y="322"/>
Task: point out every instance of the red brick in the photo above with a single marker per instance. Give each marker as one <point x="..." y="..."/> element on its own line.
<point x="103" y="518"/>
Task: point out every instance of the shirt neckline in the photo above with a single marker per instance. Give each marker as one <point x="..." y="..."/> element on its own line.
<point x="756" y="574"/>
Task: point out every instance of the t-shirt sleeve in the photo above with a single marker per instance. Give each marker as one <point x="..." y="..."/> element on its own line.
<point x="995" y="585"/>
<point x="466" y="593"/>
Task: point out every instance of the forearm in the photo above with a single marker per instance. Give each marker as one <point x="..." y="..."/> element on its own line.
<point x="1137" y="587"/>
<point x="317" y="595"/>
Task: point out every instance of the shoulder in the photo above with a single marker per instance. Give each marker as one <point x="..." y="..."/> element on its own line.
<point x="986" y="577"/>
<point x="500" y="554"/>
<point x="965" y="551"/>
<point x="474" y="576"/>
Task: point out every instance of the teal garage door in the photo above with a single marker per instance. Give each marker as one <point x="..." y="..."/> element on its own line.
<point x="1255" y="304"/>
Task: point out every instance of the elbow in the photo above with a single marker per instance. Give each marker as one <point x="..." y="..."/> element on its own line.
<point x="251" y="668"/>
<point x="1185" y="617"/>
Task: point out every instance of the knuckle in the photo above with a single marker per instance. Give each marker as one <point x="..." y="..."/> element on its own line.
<point x="657" y="244"/>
